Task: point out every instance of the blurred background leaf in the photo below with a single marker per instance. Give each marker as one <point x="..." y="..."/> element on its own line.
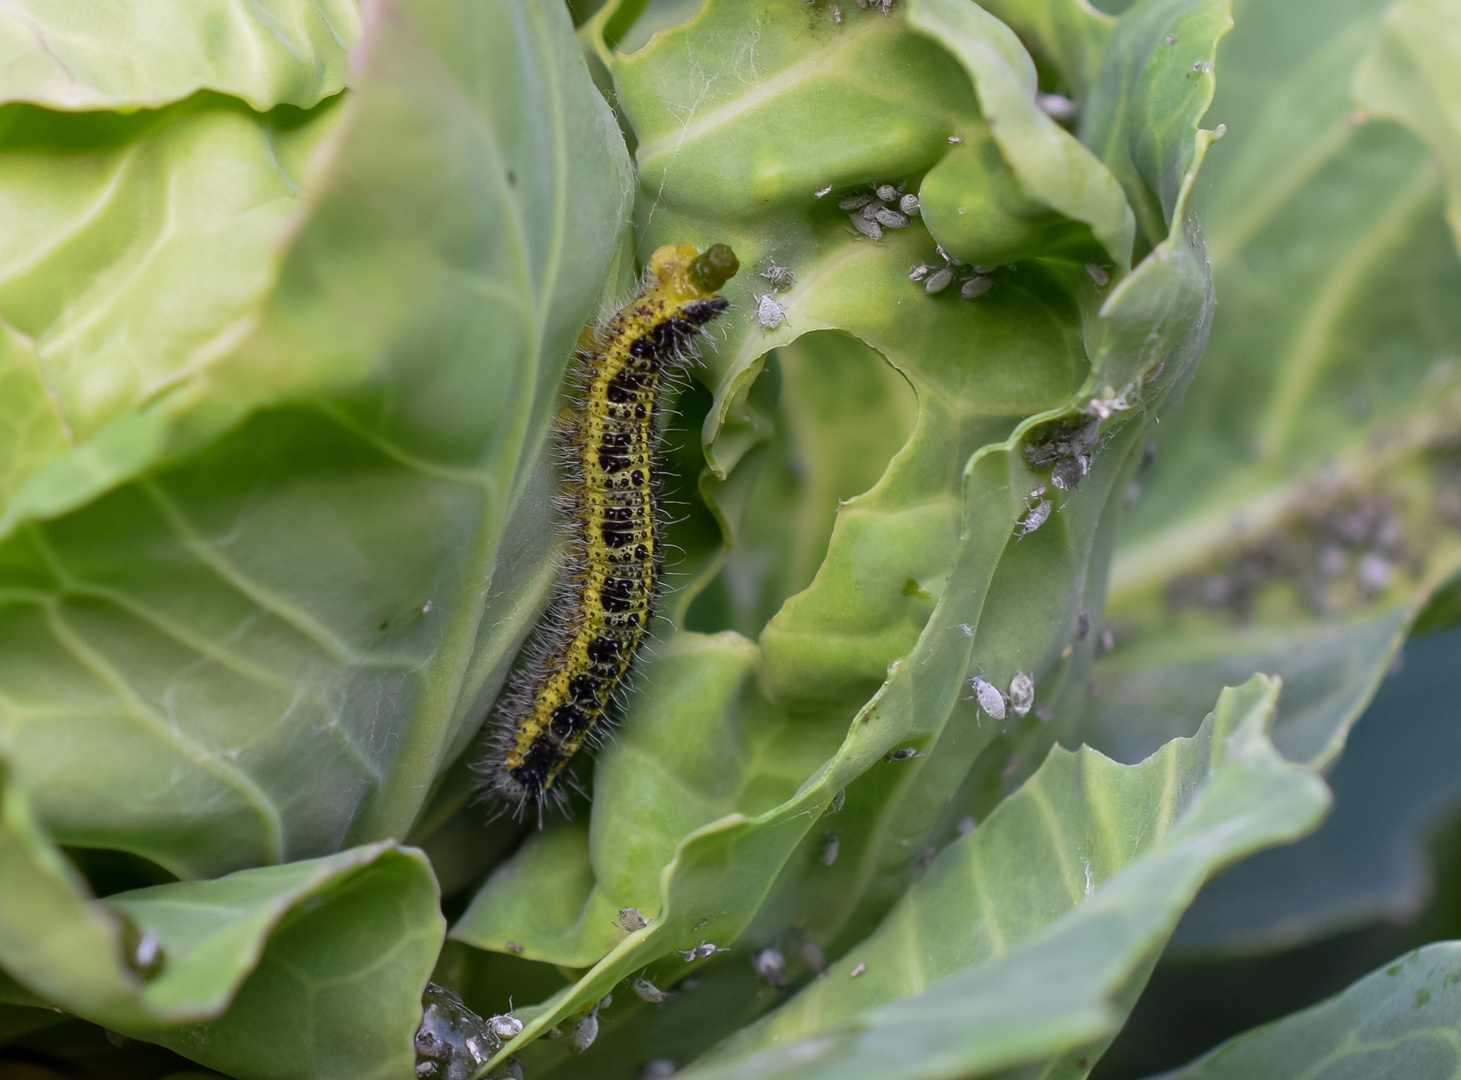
<point x="1398" y="1021"/>
<point x="1305" y="498"/>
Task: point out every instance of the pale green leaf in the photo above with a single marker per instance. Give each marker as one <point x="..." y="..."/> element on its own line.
<point x="327" y="956"/>
<point x="136" y="252"/>
<point x="147" y="53"/>
<point x="286" y="637"/>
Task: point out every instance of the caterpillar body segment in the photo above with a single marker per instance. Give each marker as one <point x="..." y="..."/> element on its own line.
<point x="611" y="577"/>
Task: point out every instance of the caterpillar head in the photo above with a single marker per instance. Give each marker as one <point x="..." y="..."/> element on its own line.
<point x="691" y="274"/>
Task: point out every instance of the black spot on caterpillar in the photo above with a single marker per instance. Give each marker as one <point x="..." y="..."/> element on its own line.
<point x="600" y="613"/>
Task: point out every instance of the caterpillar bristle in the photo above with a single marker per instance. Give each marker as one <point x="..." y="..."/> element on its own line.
<point x="576" y="668"/>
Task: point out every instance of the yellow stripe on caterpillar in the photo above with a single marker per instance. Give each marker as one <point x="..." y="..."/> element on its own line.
<point x="600" y="614"/>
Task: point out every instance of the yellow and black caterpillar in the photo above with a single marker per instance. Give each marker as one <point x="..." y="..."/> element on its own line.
<point x="600" y="614"/>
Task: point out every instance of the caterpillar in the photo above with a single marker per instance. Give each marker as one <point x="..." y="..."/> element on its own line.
<point x="599" y="615"/>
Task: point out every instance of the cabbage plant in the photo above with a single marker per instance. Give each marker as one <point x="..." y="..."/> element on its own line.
<point x="998" y="624"/>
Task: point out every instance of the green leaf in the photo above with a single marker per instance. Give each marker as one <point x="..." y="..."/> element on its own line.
<point x="1051" y="167"/>
<point x="53" y="937"/>
<point x="1397" y="1021"/>
<point x="151" y="53"/>
<point x="283" y="638"/>
<point x="1295" y="519"/>
<point x="1032" y="936"/>
<point x="321" y="960"/>
<point x="351" y="941"/>
<point x="1069" y="36"/>
<point x="1156" y="83"/>
<point x="841" y="415"/>
<point x="924" y="585"/>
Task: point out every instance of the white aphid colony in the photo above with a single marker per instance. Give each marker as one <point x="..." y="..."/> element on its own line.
<point x="888" y="207"/>
<point x="974" y="281"/>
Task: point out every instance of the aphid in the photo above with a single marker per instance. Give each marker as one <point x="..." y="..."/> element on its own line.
<point x="699" y="952"/>
<point x="1022" y="693"/>
<point x="837" y="801"/>
<point x="976" y="286"/>
<point x="903" y="754"/>
<point x="1082" y="624"/>
<point x="587" y="1029"/>
<point x="513" y="947"/>
<point x="830" y="846"/>
<point x="823" y="191"/>
<point x="836" y="14"/>
<point x="607" y="589"/>
<point x="1374" y="573"/>
<point x="967" y="824"/>
<point x="871" y="214"/>
<point x="1171" y="39"/>
<point x="1044" y="715"/>
<point x="630" y="920"/>
<point x="1069" y="471"/>
<point x="780" y="277"/>
<point x="1098" y="274"/>
<point x="1066" y="446"/>
<point x="939" y="280"/>
<point x="910" y="205"/>
<point x="926" y="857"/>
<point x="769" y="313"/>
<point x="505" y="1026"/>
<point x="1108" y="639"/>
<point x="956" y="139"/>
<point x="919" y="272"/>
<point x="988" y="697"/>
<point x="858" y="970"/>
<point x="1037" y="512"/>
<point x="1057" y="106"/>
<point x="145" y="954"/>
<point x="658" y="1069"/>
<point x="647" y="991"/>
<point x="770" y="965"/>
